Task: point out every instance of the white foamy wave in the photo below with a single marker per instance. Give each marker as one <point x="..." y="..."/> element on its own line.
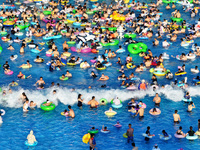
<point x="69" y="97"/>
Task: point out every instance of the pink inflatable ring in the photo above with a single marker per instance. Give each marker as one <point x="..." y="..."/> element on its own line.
<point x="84" y="50"/>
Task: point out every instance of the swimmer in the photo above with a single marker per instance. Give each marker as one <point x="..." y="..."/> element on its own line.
<point x="38" y="59"/>
<point x="48" y="103"/>
<point x="85" y="65"/>
<point x="71" y="112"/>
<point x="68" y="74"/>
<point x="157" y="100"/>
<point x="190" y="107"/>
<point x="2" y="112"/>
<point x="10" y="47"/>
<point x="27" y="64"/>
<point x="180" y="132"/>
<point x="12" y="57"/>
<point x="66" y="113"/>
<point x="93" y="103"/>
<point x="117" y="124"/>
<point x="93" y="74"/>
<point x="80" y="101"/>
<point x="31" y="138"/>
<point x="155" y="147"/>
<point x="176" y="116"/>
<point x="22" y="76"/>
<point x="191" y="132"/>
<point x="105" y="128"/>
<point x="25" y="106"/>
<point x="165" y="44"/>
<point x="187" y="96"/>
<point x="103" y="77"/>
<point x="132" y="110"/>
<point x="148" y="133"/>
<point x="32" y="105"/>
<point x="13" y="83"/>
<point x="92" y="142"/>
<point x="129" y="133"/>
<point x="63" y="77"/>
<point x="40" y="81"/>
<point x="116" y="101"/>
<point x="140" y="112"/>
<point x="165" y="134"/>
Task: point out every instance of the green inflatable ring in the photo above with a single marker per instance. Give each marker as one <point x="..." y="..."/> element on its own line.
<point x="183" y="27"/>
<point x="66" y="78"/>
<point x="137" y="48"/>
<point x="110" y="44"/>
<point x="90" y="12"/>
<point x="21" y="27"/>
<point x="47" y="108"/>
<point x="176" y="19"/>
<point x="71" y="42"/>
<point x="166" y="1"/>
<point x="1" y="49"/>
<point x="94" y="23"/>
<point x="112" y="29"/>
<point x="103" y="99"/>
<point x="93" y="131"/>
<point x="74" y="11"/>
<point x="130" y="36"/>
<point x="3" y="33"/>
<point x="47" y="12"/>
<point x="125" y="135"/>
<point x="7" y="19"/>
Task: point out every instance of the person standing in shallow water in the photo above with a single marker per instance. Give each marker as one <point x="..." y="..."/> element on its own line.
<point x="157" y="100"/>
<point x="71" y="112"/>
<point x="176" y="116"/>
<point x="129" y="133"/>
<point x="92" y="142"/>
<point x="80" y="101"/>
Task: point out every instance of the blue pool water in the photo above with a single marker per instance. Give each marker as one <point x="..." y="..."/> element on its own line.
<point x="54" y="131"/>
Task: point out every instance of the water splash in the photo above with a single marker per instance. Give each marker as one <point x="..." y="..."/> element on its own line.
<point x="69" y="96"/>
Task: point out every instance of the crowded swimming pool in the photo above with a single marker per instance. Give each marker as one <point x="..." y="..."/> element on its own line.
<point x="55" y="131"/>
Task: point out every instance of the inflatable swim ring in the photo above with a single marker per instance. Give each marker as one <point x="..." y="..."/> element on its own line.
<point x="146" y="135"/>
<point x="130" y="36"/>
<point x="86" y="138"/>
<point x="165" y="138"/>
<point x="110" y="113"/>
<point x="116" y="106"/>
<point x="118" y="125"/>
<point x="101" y="68"/>
<point x="93" y="131"/>
<point x="48" y="108"/>
<point x="115" y="42"/>
<point x="187" y="100"/>
<point x="28" y="144"/>
<point x="26" y="66"/>
<point x="9" y="73"/>
<point x="176" y="19"/>
<point x="181" y="73"/>
<point x="103" y="100"/>
<point x="66" y="78"/>
<point x="179" y="136"/>
<point x="137" y="48"/>
<point x="130" y="66"/>
<point x="193" y="70"/>
<point x="191" y="137"/>
<point x="158" y="112"/>
<point x="105" y="131"/>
